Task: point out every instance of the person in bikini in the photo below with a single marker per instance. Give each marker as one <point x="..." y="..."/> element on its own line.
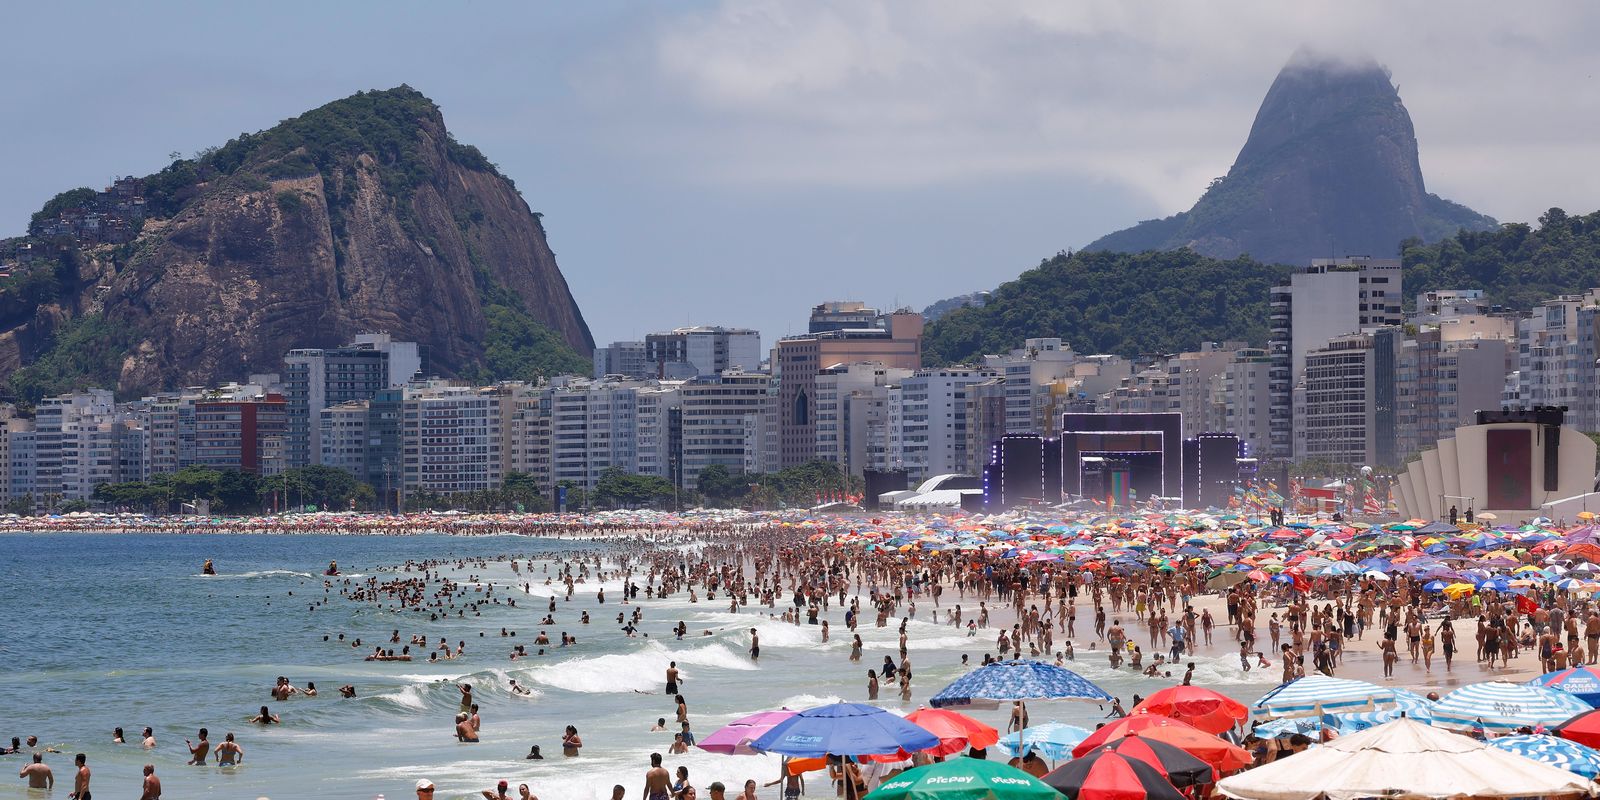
<point x="229" y="753"/>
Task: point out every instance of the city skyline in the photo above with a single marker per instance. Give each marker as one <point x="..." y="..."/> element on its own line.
<point x="723" y="158"/>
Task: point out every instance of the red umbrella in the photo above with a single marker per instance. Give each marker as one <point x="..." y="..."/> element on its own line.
<point x="1111" y="776"/>
<point x="1177" y="766"/>
<point x="1127" y="726"/>
<point x="956" y="732"/>
<point x="1583" y="729"/>
<point x="1198" y="706"/>
<point x="1224" y="757"/>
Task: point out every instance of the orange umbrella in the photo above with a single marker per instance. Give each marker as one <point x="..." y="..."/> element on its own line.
<point x="956" y="732"/>
<point x="1198" y="706"/>
<point x="1127" y="726"/>
<point x="1219" y="754"/>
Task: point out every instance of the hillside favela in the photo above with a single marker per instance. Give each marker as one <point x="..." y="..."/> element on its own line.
<point x="619" y="401"/>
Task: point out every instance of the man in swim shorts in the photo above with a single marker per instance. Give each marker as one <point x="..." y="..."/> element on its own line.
<point x="657" y="781"/>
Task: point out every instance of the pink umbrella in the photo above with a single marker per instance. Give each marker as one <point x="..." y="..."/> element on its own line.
<point x="734" y="738"/>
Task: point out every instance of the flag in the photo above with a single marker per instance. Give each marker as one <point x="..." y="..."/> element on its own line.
<point x="1372" y="506"/>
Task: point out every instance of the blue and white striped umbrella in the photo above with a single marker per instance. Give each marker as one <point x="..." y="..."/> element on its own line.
<point x="1053" y="740"/>
<point x="1288" y="726"/>
<point x="1315" y="695"/>
<point x="1018" y="680"/>
<point x="1498" y="707"/>
<point x="1557" y="752"/>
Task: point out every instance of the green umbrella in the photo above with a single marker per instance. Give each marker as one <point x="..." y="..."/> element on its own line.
<point x="964" y="779"/>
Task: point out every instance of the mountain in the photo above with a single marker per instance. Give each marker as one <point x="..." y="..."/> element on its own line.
<point x="1330" y="168"/>
<point x="362" y="215"/>
<point x="1103" y="302"/>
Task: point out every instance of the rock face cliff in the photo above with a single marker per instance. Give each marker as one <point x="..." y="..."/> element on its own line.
<point x="362" y="215"/>
<point x="1330" y="168"/>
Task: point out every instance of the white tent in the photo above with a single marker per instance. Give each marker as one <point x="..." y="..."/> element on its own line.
<point x="1403" y="759"/>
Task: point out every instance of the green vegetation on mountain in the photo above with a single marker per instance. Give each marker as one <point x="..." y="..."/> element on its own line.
<point x="84" y="352"/>
<point x="1517" y="265"/>
<point x="364" y="214"/>
<point x="1124" y="303"/>
<point x="520" y="348"/>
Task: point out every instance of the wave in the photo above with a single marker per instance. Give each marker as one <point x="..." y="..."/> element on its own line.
<point x="410" y="698"/>
<point x="643" y="670"/>
<point x="264" y="573"/>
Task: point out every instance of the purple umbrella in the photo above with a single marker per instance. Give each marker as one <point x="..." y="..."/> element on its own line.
<point x="734" y="738"/>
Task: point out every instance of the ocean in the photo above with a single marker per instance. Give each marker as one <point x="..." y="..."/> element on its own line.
<point x="106" y="630"/>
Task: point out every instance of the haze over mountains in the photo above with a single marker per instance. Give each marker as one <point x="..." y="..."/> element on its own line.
<point x="1330" y="168"/>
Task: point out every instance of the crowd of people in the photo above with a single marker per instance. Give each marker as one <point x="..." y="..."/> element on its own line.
<point x="1145" y="615"/>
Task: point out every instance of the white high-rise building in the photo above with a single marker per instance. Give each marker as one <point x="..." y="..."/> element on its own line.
<point x="343" y="437"/>
<point x="849" y="399"/>
<point x="453" y="437"/>
<point x="1319" y="303"/>
<point x="1556" y="358"/>
<point x="1029" y="372"/>
<point x="929" y="412"/>
<point x="683" y="353"/>
<point x="717" y="423"/>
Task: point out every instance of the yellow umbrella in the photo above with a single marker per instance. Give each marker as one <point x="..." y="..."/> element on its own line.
<point x="1457" y="591"/>
<point x="1583" y="515"/>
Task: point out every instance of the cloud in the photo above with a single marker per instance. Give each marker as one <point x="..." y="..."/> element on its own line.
<point x="1156" y="97"/>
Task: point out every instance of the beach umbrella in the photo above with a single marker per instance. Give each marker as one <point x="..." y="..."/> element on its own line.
<point x="844" y="729"/>
<point x="1315" y="695"/>
<point x="1226" y="580"/>
<point x="735" y="737"/>
<point x="956" y="732"/>
<point x="1018" y="680"/>
<point x="1498" y="706"/>
<point x="1203" y="708"/>
<point x="1583" y="728"/>
<point x="1402" y="759"/>
<point x="1557" y="752"/>
<point x="1580" y="682"/>
<point x="964" y="779"/>
<point x="1223" y="756"/>
<point x="1111" y="777"/>
<point x="1178" y="767"/>
<point x="1053" y="740"/>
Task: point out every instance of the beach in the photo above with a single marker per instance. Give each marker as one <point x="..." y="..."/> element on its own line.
<point x="123" y="630"/>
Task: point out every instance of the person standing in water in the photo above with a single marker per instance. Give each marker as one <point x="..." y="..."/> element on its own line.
<point x="198" y="752"/>
<point x="755" y="645"/>
<point x="80" y="781"/>
<point x="152" y="784"/>
<point x="229" y="753"/>
<point x="672" y="678"/>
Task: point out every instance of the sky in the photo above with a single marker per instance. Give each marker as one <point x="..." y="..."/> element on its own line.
<point x="736" y="163"/>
